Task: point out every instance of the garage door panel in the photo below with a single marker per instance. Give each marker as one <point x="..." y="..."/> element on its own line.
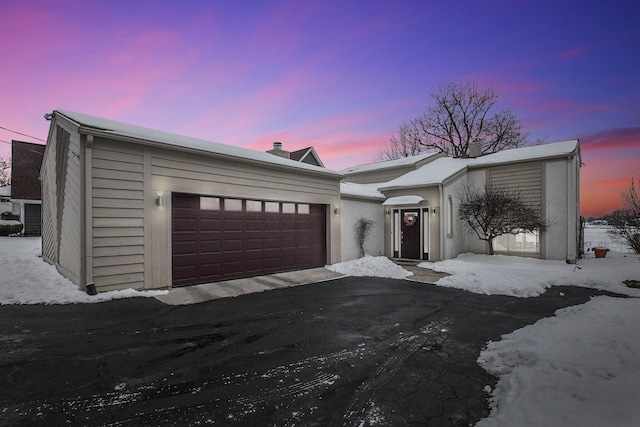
<point x="215" y="245"/>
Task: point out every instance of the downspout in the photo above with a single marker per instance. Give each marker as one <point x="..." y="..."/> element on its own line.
<point x="442" y="221"/>
<point x="571" y="213"/>
<point x="87" y="218"/>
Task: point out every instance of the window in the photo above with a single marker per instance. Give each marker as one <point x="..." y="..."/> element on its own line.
<point x="450" y="216"/>
<point x="232" y="205"/>
<point x="303" y="209"/>
<point x="254" y="206"/>
<point x="209" y="203"/>
<point x="288" y="208"/>
<point x="522" y="242"/>
<point x="272" y="207"/>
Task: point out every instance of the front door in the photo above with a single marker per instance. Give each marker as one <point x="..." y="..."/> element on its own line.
<point x="410" y="233"/>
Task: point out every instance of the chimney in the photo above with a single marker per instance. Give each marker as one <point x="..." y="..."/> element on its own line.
<point x="475" y="149"/>
<point x="278" y="151"/>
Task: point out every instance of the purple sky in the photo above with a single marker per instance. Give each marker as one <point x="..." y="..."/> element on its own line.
<point x="338" y="75"/>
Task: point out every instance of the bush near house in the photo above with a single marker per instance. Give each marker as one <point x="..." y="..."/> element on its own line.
<point x="9" y="216"/>
<point x="11" y="228"/>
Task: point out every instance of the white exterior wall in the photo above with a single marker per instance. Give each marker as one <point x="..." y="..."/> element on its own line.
<point x="351" y="210"/>
<point x="562" y="205"/>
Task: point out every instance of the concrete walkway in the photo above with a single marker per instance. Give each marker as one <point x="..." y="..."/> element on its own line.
<point x="232" y="288"/>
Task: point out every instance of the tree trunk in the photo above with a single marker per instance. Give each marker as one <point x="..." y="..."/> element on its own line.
<point x="490" y="241"/>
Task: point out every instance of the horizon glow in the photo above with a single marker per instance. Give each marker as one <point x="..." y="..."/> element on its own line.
<point x="338" y="76"/>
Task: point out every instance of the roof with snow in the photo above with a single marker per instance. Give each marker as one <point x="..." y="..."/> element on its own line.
<point x="368" y="191"/>
<point x="106" y="127"/>
<point x="439" y="170"/>
<point x="401" y="162"/>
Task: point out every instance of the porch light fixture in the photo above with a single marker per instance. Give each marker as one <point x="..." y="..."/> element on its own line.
<point x="160" y="200"/>
<point x="336" y="211"/>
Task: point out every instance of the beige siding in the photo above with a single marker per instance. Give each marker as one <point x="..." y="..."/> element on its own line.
<point x="233" y="179"/>
<point x="117" y="216"/>
<point x="524" y="177"/>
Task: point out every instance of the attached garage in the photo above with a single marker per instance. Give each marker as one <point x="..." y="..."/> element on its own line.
<point x="131" y="207"/>
<point x="217" y="238"/>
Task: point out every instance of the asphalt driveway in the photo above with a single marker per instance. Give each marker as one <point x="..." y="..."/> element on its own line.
<point x="348" y="352"/>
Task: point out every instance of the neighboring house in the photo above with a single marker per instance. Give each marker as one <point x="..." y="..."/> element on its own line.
<point x="420" y="194"/>
<point x="26" y="193"/>
<point x="306" y="155"/>
<point x="131" y="207"/>
<point x="5" y="199"/>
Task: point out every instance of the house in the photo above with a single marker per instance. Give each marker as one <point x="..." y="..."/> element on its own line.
<point x="129" y="207"/>
<point x="419" y="197"/>
<point x="5" y="199"/>
<point x="26" y="193"/>
<point x="307" y="155"/>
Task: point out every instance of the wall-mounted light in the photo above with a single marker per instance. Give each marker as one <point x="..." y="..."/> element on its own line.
<point x="160" y="200"/>
<point x="336" y="211"/>
<point x="433" y="211"/>
<point x="387" y="212"/>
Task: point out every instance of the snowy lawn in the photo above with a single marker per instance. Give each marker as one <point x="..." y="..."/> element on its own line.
<point x="25" y="278"/>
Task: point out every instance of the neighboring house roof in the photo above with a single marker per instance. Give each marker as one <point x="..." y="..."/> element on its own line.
<point x="389" y="164"/>
<point x="439" y="170"/>
<point x="307" y="155"/>
<point x="367" y="191"/>
<point x="5" y="191"/>
<point x="26" y="160"/>
<point x="111" y="128"/>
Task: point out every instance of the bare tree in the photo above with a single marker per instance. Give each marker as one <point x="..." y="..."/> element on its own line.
<point x="497" y="210"/>
<point x="460" y="114"/>
<point x="626" y="220"/>
<point x="363" y="228"/>
<point x="5" y="167"/>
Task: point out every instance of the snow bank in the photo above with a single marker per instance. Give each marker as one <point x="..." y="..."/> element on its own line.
<point x="26" y="278"/>
<point x="578" y="368"/>
<point x="529" y="277"/>
<point x="370" y="266"/>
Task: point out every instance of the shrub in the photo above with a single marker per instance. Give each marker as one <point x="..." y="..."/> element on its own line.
<point x="8" y="216"/>
<point x="9" y="229"/>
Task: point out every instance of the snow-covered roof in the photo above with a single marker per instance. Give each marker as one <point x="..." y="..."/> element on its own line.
<point x="157" y="137"/>
<point x="432" y="173"/>
<point x="403" y="200"/>
<point x="5" y="191"/>
<point x="439" y="170"/>
<point x="361" y="190"/>
<point x="555" y="149"/>
<point x="403" y="161"/>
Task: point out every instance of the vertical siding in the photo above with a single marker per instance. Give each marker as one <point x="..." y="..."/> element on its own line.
<point x="49" y="206"/>
<point x="117" y="216"/>
<point x="70" y="220"/>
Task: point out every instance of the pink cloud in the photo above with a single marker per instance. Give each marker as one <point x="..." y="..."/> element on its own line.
<point x="611" y="139"/>
<point x="573" y="53"/>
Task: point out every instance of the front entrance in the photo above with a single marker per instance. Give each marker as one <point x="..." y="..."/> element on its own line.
<point x="411" y="233"/>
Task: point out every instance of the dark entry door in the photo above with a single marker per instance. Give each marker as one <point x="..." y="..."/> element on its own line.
<point x="410" y="232"/>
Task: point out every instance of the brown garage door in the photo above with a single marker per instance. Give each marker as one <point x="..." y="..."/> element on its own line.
<point x="219" y="239"/>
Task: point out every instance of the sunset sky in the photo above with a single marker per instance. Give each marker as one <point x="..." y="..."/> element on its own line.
<point x="337" y="75"/>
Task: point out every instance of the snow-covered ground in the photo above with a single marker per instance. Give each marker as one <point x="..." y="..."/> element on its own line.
<point x="25" y="278"/>
<point x="580" y="367"/>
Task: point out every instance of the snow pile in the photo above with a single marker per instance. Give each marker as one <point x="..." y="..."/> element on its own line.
<point x="529" y="277"/>
<point x="27" y="279"/>
<point x="578" y="368"/>
<point x="370" y="266"/>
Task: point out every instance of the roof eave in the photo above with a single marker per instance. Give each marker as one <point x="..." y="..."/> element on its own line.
<point x="88" y="130"/>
